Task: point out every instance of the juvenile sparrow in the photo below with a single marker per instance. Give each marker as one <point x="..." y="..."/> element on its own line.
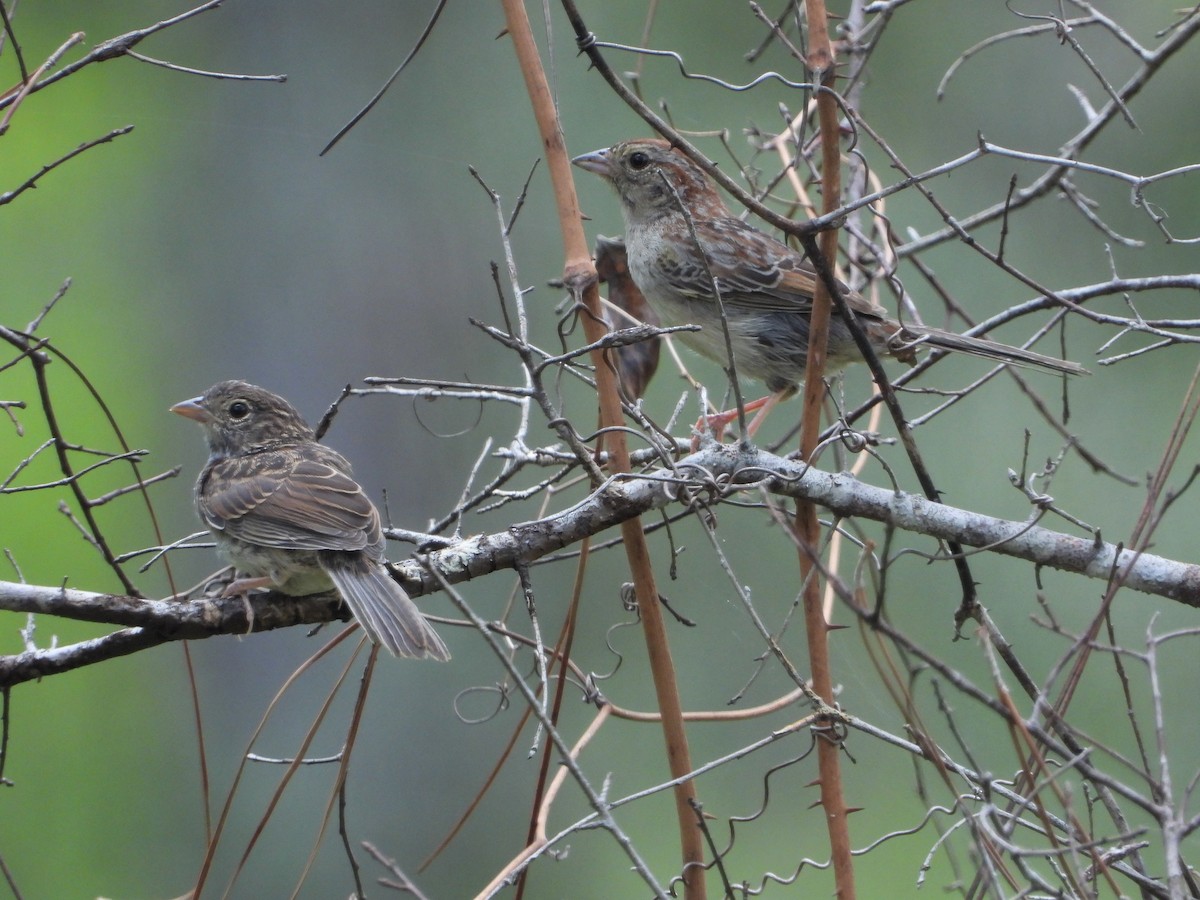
<point x="766" y="286"/>
<point x="287" y="512"/>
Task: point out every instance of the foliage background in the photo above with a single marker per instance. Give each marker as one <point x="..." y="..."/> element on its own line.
<point x="213" y="242"/>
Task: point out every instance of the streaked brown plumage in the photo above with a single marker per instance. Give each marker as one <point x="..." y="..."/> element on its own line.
<point x="287" y="512"/>
<point x="766" y="286"/>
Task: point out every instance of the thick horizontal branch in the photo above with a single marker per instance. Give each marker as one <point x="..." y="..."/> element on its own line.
<point x="173" y="619"/>
<point x="848" y="497"/>
<point x="710" y="475"/>
<point x="153" y="622"/>
<point x="718" y="471"/>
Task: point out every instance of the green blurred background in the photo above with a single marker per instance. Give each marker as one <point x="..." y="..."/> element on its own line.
<point x="213" y="242"/>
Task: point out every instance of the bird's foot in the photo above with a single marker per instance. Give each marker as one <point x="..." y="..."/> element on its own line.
<point x="241" y="587"/>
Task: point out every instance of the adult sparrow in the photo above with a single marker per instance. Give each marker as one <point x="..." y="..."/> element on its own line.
<point x="287" y="512"/>
<point x="766" y="286"/>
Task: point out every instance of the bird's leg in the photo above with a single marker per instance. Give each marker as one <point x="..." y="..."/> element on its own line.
<point x="241" y="587"/>
<point x="718" y="422"/>
<point x="764" y="406"/>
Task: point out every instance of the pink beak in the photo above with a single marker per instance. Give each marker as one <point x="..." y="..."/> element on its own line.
<point x="192" y="409"/>
<point x="597" y="162"/>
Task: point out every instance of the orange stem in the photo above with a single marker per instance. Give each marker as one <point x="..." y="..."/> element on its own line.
<point x="808" y="532"/>
<point x="580" y="277"/>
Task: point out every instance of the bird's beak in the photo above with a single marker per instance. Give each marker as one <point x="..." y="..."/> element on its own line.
<point x="598" y="162"/>
<point x="192" y="409"/>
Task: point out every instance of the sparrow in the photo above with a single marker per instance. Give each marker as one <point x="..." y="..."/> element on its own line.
<point x="288" y="514"/>
<point x="766" y="287"/>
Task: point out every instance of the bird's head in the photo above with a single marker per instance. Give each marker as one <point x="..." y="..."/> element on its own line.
<point x="238" y="417"/>
<point x="653" y="179"/>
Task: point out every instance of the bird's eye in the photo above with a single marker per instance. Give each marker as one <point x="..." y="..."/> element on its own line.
<point x="239" y="409"/>
<point x="639" y="159"/>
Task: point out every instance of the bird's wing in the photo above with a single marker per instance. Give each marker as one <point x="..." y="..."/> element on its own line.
<point x="753" y="270"/>
<point x="281" y="498"/>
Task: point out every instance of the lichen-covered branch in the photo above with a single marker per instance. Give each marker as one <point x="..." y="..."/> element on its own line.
<point x="712" y="474"/>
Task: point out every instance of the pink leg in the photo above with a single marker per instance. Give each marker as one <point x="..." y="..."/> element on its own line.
<point x="241" y="587"/>
<point x="764" y="407"/>
<point x="718" y="422"/>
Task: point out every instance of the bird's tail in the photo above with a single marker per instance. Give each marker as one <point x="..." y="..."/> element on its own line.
<point x="911" y="336"/>
<point x="382" y="608"/>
